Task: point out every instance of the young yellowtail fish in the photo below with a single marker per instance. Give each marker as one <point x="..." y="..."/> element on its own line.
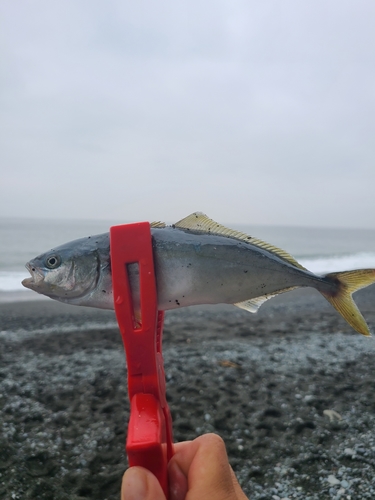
<point x="197" y="261"/>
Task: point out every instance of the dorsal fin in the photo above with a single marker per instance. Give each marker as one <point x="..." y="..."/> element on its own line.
<point x="199" y="222"/>
<point x="157" y="224"/>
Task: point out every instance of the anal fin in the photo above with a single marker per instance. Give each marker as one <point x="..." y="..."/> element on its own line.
<point x="253" y="305"/>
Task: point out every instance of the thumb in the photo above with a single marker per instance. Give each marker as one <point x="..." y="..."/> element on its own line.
<point x="140" y="484"/>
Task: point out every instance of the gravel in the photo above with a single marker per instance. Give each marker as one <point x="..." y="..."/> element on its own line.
<point x="290" y="390"/>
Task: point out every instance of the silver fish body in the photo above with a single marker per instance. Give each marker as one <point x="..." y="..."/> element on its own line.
<point x="196" y="269"/>
<point x="197" y="261"/>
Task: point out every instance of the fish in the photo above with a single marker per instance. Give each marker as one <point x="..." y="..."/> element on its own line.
<point x="197" y="261"/>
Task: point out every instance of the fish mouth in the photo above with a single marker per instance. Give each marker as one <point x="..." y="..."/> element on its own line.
<point x="35" y="279"/>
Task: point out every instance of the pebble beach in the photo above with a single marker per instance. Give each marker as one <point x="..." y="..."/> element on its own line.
<point x="291" y="391"/>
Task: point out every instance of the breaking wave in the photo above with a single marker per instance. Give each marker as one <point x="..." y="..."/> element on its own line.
<point x="328" y="264"/>
<point x="10" y="281"/>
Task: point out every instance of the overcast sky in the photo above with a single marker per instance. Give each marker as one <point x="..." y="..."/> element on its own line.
<point x="259" y="112"/>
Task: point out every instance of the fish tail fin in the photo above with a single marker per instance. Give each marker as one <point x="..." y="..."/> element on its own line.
<point x="346" y="283"/>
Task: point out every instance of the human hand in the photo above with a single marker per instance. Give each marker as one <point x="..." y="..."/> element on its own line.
<point x="199" y="470"/>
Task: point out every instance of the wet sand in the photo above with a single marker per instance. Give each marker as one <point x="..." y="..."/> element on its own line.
<point x="291" y="390"/>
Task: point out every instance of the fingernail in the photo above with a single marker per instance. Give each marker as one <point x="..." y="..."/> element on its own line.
<point x="135" y="487"/>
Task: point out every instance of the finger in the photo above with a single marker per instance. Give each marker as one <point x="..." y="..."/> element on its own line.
<point x="178" y="484"/>
<point x="140" y="484"/>
<point x="184" y="454"/>
<point x="204" y="463"/>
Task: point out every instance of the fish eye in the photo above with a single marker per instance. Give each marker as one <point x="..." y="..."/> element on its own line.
<point x="53" y="261"/>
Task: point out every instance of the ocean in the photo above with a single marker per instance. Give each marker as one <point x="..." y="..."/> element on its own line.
<point x="321" y="250"/>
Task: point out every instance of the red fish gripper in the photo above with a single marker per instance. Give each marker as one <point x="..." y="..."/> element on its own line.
<point x="149" y="441"/>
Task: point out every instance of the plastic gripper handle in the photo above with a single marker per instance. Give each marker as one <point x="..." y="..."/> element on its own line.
<point x="149" y="441"/>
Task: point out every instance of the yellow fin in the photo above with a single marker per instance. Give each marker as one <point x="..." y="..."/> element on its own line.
<point x="252" y="305"/>
<point x="199" y="222"/>
<point x="157" y="224"/>
<point x="347" y="283"/>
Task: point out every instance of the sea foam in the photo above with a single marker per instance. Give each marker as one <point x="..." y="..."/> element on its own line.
<point x="333" y="263"/>
<point x="10" y="281"/>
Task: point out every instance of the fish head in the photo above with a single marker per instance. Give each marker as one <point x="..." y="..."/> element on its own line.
<point x="69" y="273"/>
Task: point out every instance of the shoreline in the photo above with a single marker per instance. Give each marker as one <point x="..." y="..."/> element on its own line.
<point x="7" y="297"/>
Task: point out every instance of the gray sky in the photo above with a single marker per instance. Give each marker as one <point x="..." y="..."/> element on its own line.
<point x="259" y="112"/>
